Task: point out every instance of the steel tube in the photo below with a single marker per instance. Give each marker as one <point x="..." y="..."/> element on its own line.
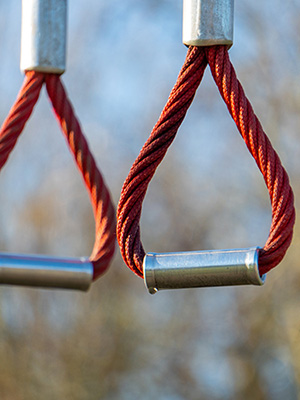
<point x="43" y="35"/>
<point x="207" y="22"/>
<point x="201" y="269"/>
<point x="45" y="272"/>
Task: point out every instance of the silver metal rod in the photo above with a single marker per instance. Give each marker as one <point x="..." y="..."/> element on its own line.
<point x="201" y="269"/>
<point x="43" y="37"/>
<point x="45" y="272"/>
<point x="207" y="22"/>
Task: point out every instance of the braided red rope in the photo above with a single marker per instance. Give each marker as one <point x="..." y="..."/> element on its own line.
<point x="19" y="114"/>
<point x="267" y="160"/>
<point x="162" y="135"/>
<point x="99" y="195"/>
<point x="103" y="208"/>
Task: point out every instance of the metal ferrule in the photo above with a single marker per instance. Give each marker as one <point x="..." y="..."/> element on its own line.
<point x="201" y="269"/>
<point x="207" y="22"/>
<point x="43" y="37"/>
<point x="45" y="272"/>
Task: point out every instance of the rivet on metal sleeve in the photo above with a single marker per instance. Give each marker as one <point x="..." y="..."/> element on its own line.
<point x="45" y="272"/>
<point x="208" y="22"/>
<point x="43" y="36"/>
<point x="201" y="269"/>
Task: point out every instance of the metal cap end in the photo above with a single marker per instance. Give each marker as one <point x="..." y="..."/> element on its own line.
<point x="208" y="42"/>
<point x="252" y="265"/>
<point x="48" y="69"/>
<point x="149" y="272"/>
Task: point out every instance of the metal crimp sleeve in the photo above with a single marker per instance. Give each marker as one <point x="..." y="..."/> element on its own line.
<point x="207" y="22"/>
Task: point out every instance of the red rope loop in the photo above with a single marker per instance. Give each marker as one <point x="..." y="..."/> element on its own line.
<point x="162" y="135"/>
<point x="19" y="114"/>
<point x="99" y="195"/>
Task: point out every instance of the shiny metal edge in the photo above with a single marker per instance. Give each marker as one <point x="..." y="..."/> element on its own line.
<point x="149" y="272"/>
<point x="208" y="42"/>
<point x="253" y="271"/>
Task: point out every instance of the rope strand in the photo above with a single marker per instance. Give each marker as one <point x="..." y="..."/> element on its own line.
<point x="267" y="160"/>
<point x="19" y="114"/>
<point x="104" y="213"/>
<point x="135" y="186"/>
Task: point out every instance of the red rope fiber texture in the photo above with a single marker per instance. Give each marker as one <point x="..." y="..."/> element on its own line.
<point x="11" y="129"/>
<point x="276" y="179"/>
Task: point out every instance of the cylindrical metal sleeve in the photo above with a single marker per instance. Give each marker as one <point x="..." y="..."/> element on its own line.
<point x="207" y="22"/>
<point x="45" y="272"/>
<point x="201" y="269"/>
<point x="43" y="37"/>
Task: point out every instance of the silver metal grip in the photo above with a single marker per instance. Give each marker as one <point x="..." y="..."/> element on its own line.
<point x="207" y="22"/>
<point x="201" y="269"/>
<point x="43" y="36"/>
<point x="45" y="272"/>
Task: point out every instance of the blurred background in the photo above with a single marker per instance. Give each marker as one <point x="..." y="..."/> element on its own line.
<point x="117" y="342"/>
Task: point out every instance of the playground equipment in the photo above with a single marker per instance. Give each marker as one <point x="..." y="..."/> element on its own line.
<point x="208" y="33"/>
<point x="43" y="54"/>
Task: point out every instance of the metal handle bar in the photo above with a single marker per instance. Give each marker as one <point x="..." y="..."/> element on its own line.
<point x="201" y="269"/>
<point x="46" y="272"/>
